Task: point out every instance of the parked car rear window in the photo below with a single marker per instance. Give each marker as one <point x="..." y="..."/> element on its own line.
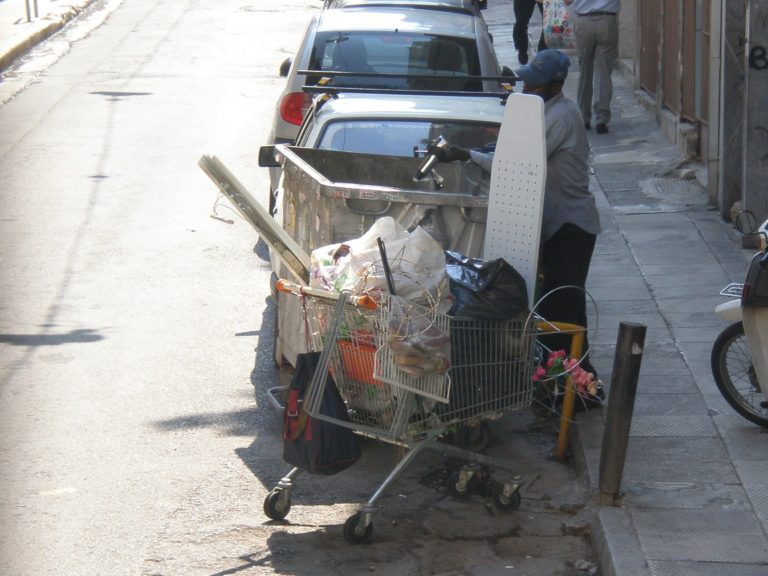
<point x="394" y="53"/>
<point x="401" y="137"/>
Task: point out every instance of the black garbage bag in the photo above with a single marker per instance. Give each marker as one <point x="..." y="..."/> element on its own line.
<point x="490" y="309"/>
<point x="491" y="290"/>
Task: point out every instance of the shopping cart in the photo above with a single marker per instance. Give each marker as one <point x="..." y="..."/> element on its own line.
<point x="489" y="374"/>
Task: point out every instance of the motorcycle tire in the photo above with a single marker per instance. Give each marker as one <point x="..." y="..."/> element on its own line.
<point x="735" y="375"/>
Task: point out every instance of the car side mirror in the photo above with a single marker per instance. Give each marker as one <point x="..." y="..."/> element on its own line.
<point x="285" y="67"/>
<point x="267" y="157"/>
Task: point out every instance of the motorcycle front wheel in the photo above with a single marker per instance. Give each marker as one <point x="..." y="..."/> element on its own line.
<point x="735" y="374"/>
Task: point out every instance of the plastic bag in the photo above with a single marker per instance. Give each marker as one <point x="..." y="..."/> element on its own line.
<point x="558" y="26"/>
<point x="491" y="290"/>
<point x="419" y="347"/>
<point x="417" y="262"/>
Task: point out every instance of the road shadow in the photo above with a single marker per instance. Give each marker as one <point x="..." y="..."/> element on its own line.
<point x="78" y="336"/>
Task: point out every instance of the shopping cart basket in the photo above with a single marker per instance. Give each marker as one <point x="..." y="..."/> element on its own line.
<point x="490" y="370"/>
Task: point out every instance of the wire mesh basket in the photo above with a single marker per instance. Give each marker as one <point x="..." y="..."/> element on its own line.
<point x="486" y="373"/>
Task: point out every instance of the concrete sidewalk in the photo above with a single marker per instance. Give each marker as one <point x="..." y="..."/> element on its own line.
<point x="26" y="23"/>
<point x="695" y="485"/>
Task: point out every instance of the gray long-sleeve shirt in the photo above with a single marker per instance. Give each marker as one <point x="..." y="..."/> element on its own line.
<point x="567" y="198"/>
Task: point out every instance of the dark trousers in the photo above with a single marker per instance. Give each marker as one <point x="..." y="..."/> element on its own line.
<point x="523" y="12"/>
<point x="565" y="259"/>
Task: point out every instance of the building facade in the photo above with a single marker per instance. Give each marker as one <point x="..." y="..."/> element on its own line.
<point x="702" y="67"/>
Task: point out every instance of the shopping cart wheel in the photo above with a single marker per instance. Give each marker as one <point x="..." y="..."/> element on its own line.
<point x="463" y="483"/>
<point x="507" y="498"/>
<point x="473" y="438"/>
<point x="355" y="530"/>
<point x="277" y="505"/>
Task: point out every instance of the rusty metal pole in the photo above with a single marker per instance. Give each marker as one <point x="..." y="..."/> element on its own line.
<point x="621" y="403"/>
<point x="569" y="398"/>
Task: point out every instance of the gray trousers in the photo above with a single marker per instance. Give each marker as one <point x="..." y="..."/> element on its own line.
<point x="597" y="44"/>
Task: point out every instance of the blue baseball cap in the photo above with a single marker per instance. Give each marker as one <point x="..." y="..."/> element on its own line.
<point x="547" y="66"/>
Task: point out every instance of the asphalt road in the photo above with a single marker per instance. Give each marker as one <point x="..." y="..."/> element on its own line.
<point x="129" y="317"/>
<point x="135" y="330"/>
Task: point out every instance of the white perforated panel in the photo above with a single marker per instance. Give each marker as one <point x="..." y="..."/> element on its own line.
<point x="517" y="188"/>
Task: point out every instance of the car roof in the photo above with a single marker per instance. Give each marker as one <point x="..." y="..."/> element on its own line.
<point x="468" y="6"/>
<point x="404" y="20"/>
<point x="357" y="106"/>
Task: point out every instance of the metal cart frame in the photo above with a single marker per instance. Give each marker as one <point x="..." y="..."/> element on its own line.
<point x="490" y="375"/>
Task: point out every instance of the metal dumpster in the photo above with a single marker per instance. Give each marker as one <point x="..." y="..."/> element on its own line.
<point x="331" y="196"/>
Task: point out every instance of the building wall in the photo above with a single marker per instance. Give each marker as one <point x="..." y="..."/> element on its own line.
<point x="755" y="191"/>
<point x="731" y="105"/>
<point x="716" y="114"/>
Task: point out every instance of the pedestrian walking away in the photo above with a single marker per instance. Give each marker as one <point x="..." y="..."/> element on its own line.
<point x="523" y="12"/>
<point x="597" y="45"/>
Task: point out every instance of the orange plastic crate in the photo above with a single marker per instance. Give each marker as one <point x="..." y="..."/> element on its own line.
<point x="358" y="361"/>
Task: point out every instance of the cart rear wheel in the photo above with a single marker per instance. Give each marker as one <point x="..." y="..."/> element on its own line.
<point x="473" y="438"/>
<point x="355" y="531"/>
<point x="276" y="508"/>
<point x="462" y="489"/>
<point x="507" y="503"/>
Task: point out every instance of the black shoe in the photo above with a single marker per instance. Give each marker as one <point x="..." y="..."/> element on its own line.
<point x="522" y="57"/>
<point x="587" y="126"/>
<point x="601" y="128"/>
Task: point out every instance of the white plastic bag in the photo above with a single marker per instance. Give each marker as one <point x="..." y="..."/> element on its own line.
<point x="416" y="260"/>
<point x="558" y="26"/>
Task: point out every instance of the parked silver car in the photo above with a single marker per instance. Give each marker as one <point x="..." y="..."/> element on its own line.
<point x="391" y="124"/>
<point x="396" y="42"/>
<point x="401" y="125"/>
<point x="468" y="6"/>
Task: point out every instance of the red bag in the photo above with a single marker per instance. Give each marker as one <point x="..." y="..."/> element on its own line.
<point x="313" y="445"/>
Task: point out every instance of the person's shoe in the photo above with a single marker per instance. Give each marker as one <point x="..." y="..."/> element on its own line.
<point x="601" y="128"/>
<point x="522" y="57"/>
<point x="587" y="126"/>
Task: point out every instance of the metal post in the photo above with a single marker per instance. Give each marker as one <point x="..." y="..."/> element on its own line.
<point x="621" y="402"/>
<point x="34" y="4"/>
<point x="569" y="398"/>
<point x="29" y="15"/>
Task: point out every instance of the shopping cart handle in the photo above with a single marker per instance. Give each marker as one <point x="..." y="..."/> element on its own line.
<point x="273" y="398"/>
<point x="362" y="301"/>
<point x="289" y="287"/>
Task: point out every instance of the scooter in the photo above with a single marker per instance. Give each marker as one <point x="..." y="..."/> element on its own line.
<point x="740" y="353"/>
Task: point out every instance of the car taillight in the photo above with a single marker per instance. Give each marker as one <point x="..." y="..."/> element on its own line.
<point x="294" y="106"/>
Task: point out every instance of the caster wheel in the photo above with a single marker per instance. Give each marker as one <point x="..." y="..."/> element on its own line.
<point x="354" y="533"/>
<point x="462" y="490"/>
<point x="508" y="503"/>
<point x="473" y="438"/>
<point x="274" y="508"/>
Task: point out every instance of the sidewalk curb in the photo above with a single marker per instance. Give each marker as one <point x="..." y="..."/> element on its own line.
<point x="46" y="27"/>
<point x="613" y="537"/>
<point x="616" y="544"/>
